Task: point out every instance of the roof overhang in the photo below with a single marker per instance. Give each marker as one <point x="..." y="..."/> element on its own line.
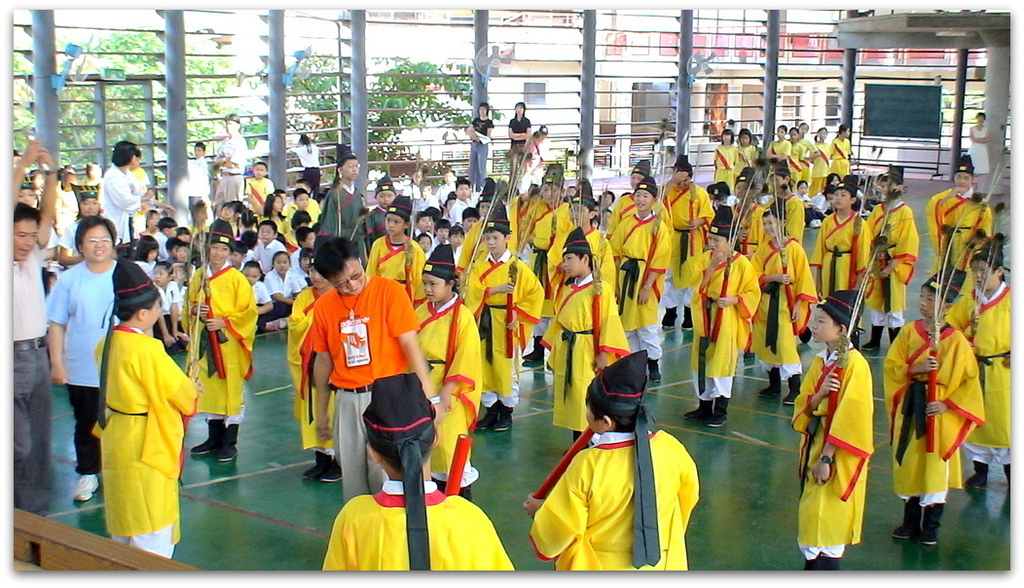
<point x="939" y="30"/>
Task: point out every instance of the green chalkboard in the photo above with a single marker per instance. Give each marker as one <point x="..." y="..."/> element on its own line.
<point x="911" y="112"/>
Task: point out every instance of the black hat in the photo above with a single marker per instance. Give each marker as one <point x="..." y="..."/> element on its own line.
<point x="577" y="243"/>
<point x="344" y="154"/>
<point x="683" y="164"/>
<point x="949" y="283"/>
<point x="839" y="305"/>
<point x="586" y="188"/>
<point x="441" y="263"/>
<point x="619" y="390"/>
<point x="965" y="165"/>
<point x="722" y="224"/>
<point x="463" y="180"/>
<point x="642" y="167"/>
<point x="554" y="174"/>
<point x="648" y="185"/>
<point x="400" y="425"/>
<point x="220" y="232"/>
<point x="385" y="183"/>
<point x="498" y="221"/>
<point x="487" y="193"/>
<point x="746" y="174"/>
<point x="782" y="169"/>
<point x="850" y="183"/>
<point x="894" y="175"/>
<point x="84" y="192"/>
<point x="401" y="206"/>
<point x="719" y="190"/>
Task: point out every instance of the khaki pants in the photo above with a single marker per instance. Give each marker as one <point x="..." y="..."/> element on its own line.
<point x="359" y="474"/>
<point x="229" y="188"/>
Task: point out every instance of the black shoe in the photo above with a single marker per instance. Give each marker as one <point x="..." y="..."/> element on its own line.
<point x="827" y="563"/>
<point x="537" y="353"/>
<point x="809" y="564"/>
<point x="876" y="338"/>
<point x="702" y="412"/>
<point x="669" y="320"/>
<point x="504" y="422"/>
<point x="774" y="387"/>
<point x="214" y="441"/>
<point x="654" y="374"/>
<point x="333" y="473"/>
<point x="893" y="333"/>
<point x="490" y="417"/>
<point x="980" y="477"/>
<point x="1006" y="470"/>
<point x="930" y="524"/>
<point x="687" y="318"/>
<point x="911" y="526"/>
<point x="719" y="411"/>
<point x="229" y="451"/>
<point x="794" y="390"/>
<point x="323" y="461"/>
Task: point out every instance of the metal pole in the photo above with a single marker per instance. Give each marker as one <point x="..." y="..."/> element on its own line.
<point x="480" y="20"/>
<point x="177" y="116"/>
<point x="360" y="109"/>
<point x="959" y="99"/>
<point x="849" y="80"/>
<point x="44" y="62"/>
<point x="684" y="94"/>
<point x="276" y="118"/>
<point x="771" y="76"/>
<point x="588" y="89"/>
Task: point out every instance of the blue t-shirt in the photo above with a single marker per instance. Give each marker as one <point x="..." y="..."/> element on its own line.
<point x="82" y="301"/>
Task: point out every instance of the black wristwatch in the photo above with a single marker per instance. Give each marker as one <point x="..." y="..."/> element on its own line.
<point x="826" y="459"/>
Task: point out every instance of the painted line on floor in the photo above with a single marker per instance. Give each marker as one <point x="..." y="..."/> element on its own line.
<point x="749" y="438"/>
<point x="258" y="516"/>
<point x="278" y="389"/>
<point x="245" y="475"/>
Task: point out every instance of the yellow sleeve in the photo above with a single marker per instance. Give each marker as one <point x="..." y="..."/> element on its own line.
<point x="818" y="253"/>
<point x="662" y="248"/>
<point x="529" y="294"/>
<point x="613" y="337"/>
<point x="747" y="288"/>
<point x="170" y="394"/>
<point x="933" y="215"/>
<point x="373" y="261"/>
<point x="562" y="519"/>
<point x="851" y="430"/>
<point x="467" y="367"/>
<point x="241" y="317"/>
<point x="959" y="315"/>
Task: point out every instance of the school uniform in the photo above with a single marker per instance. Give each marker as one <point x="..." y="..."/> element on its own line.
<point x="264" y="254"/>
<point x="256" y="191"/>
<point x="840" y="162"/>
<point x="313" y="209"/>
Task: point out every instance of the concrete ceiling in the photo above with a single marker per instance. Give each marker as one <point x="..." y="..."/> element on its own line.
<point x="936" y="30"/>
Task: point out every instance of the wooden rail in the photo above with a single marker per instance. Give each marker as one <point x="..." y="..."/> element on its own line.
<point x="55" y="546"/>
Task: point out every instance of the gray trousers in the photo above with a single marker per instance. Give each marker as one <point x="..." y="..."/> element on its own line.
<point x="32" y="400"/>
<point x="477" y="164"/>
<point x="359" y="474"/>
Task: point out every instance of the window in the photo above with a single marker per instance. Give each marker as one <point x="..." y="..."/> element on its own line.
<point x="669" y="44"/>
<point x="832" y="108"/>
<point x="535" y="93"/>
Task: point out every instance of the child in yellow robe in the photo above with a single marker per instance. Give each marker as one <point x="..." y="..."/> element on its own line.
<point x="726" y="296"/>
<point x="585" y="334"/>
<point x="396" y="256"/>
<point x="584" y="210"/>
<point x="789" y="204"/>
<point x="833" y="413"/>
<point x="726" y="158"/>
<point x="750" y="227"/>
<point x="625" y="502"/>
<point x="690" y="208"/>
<point x="984" y="318"/>
<point x="222" y="297"/>
<point x="799" y="158"/>
<point x="957" y="214"/>
<point x="746" y="153"/>
<point x="821" y="156"/>
<point x="841" y="153"/>
<point x="145" y="396"/>
<point x="504" y="296"/>
<point x="843" y="246"/>
<point x="300" y="363"/>
<point x="257" y="187"/>
<point x="926" y="456"/>
<point x="451" y="344"/>
<point x="895" y="242"/>
<point x="784" y="308"/>
<point x="642" y="249"/>
<point x="409" y="524"/>
<point x="625" y="205"/>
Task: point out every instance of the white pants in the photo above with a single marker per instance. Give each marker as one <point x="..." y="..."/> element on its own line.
<point x="540" y="328"/>
<point x="490" y="396"/>
<point x="359" y="473"/>
<point x="713" y="387"/>
<point x="929" y="499"/>
<point x="877" y="318"/>
<point x="646" y="338"/>
<point x="985" y="454"/>
<point x="813" y="551"/>
<point x="786" y="370"/>
<point x="159" y="542"/>
<point x="234" y="419"/>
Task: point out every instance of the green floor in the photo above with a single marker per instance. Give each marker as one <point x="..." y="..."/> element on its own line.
<point x="259" y="514"/>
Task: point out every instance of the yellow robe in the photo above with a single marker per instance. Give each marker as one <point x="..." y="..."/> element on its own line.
<point x="767" y="260"/>
<point x="602" y="255"/>
<point x="989" y="338"/>
<point x="821" y="156"/>
<point x="527" y="301"/>
<point x="473" y="238"/>
<point x="622" y="208"/>
<point x="256" y="192"/>
<point x="841" y="253"/>
<point x="833" y="513"/>
<point x="635" y="239"/>
<point x="967" y="217"/>
<point x="369" y="534"/>
<point x="300" y="363"/>
<point x="141" y="450"/>
<point x="799" y="163"/>
<point x="754" y="223"/>
<point x="808" y="150"/>
<point x="923" y="472"/>
<point x="890" y="294"/>
<point x="389" y="261"/>
<point x="313" y="209"/>
<point x="586" y="522"/>
<point x="575" y="363"/>
<point x="794" y="221"/>
<point x="451" y="346"/>
<point x="726" y="160"/>
<point x="734" y="327"/>
<point x="779" y="150"/>
<point x="840" y="157"/>
<point x="234" y="301"/>
<point x="745" y="157"/>
<point x="548" y="225"/>
<point x="686" y="206"/>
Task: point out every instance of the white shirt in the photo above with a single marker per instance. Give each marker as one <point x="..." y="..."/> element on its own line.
<point x="309" y="155"/>
<point x="199" y="177"/>
<point x="265" y="254"/>
<point x="397" y="488"/>
<point x="29" y="318"/>
<point x="288" y="286"/>
<point x="504" y="257"/>
<point x="170" y="296"/>
<point x="122" y="198"/>
<point x="262" y="295"/>
<point x="161" y="241"/>
<point x="147" y="266"/>
<point x="455" y="214"/>
<point x="235" y="148"/>
<point x="986" y="299"/>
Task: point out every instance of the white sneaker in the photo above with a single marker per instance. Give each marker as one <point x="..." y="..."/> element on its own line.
<point x="87" y="484"/>
<point x="815" y="224"/>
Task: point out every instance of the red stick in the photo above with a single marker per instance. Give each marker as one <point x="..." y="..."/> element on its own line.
<point x="556" y="474"/>
<point x="458" y="465"/>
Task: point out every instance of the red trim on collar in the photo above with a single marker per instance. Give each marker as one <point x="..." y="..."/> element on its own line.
<point x="398" y="500"/>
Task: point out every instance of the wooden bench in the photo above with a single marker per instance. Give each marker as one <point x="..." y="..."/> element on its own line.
<point x="56" y="546"/>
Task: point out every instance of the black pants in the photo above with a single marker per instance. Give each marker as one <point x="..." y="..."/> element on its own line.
<point x="281" y="310"/>
<point x="84" y="405"/>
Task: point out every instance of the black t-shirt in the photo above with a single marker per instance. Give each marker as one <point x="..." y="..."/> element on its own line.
<point x="519" y="126"/>
<point x="481" y="126"/>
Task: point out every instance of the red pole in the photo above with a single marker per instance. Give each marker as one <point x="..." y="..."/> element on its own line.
<point x="556" y="474"/>
<point x="462" y="447"/>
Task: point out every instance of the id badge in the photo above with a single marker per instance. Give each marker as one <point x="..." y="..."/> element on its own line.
<point x="356" y="339"/>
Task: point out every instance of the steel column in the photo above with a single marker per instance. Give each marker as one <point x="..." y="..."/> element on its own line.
<point x="684" y="87"/>
<point x="276" y="92"/>
<point x="588" y="94"/>
<point x="176" y="127"/>
<point x="44" y="63"/>
<point x="771" y="76"/>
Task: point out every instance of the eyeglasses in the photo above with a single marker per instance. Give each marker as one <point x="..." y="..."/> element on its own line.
<point x="102" y="240"/>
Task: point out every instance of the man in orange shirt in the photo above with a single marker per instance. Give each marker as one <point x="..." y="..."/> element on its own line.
<point x="363" y="330"/>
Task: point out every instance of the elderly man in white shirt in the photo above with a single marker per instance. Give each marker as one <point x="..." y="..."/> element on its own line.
<point x="232" y="157"/>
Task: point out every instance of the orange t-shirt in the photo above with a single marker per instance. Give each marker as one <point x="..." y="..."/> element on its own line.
<point x="387" y="313"/>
